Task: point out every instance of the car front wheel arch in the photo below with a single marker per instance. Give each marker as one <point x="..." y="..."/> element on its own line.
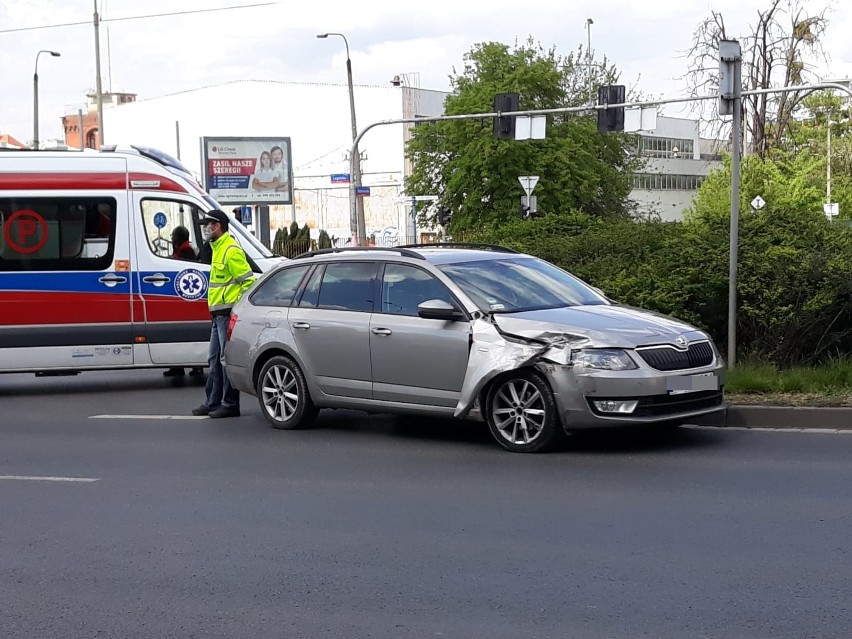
<point x="521" y="411"/>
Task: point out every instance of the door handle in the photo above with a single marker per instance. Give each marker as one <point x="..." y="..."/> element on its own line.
<point x="157" y="280"/>
<point x="382" y="331"/>
<point x="112" y="280"/>
<point x="301" y="325"/>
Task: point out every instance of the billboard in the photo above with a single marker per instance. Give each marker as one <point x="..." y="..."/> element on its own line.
<point x="248" y="170"/>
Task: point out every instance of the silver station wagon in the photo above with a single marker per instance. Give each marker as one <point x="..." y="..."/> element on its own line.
<point x="465" y="331"/>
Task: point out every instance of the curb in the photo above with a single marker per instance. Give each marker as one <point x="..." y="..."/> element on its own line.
<point x="800" y="417"/>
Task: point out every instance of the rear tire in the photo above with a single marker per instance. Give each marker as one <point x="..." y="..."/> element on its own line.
<point x="282" y="393"/>
<point x="522" y="414"/>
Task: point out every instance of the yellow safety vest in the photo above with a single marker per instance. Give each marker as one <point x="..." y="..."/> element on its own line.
<point x="230" y="274"/>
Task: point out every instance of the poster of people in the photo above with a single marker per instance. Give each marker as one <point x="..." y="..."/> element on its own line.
<point x="248" y="170"/>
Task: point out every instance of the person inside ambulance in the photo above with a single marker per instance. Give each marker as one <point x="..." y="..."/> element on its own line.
<point x="183" y="249"/>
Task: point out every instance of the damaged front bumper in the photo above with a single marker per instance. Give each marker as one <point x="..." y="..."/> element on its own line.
<point x="585" y="397"/>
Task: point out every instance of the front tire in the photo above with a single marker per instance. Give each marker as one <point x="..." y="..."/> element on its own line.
<point x="522" y="414"/>
<point x="283" y="395"/>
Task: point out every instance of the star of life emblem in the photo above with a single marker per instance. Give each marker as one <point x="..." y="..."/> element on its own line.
<point x="191" y="284"/>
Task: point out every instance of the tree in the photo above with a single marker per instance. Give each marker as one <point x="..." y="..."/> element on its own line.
<point x="476" y="175"/>
<point x="780" y="50"/>
<point x="795" y="273"/>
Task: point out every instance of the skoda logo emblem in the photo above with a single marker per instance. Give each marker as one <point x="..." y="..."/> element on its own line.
<point x="681" y="341"/>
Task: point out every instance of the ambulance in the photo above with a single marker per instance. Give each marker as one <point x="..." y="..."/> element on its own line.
<point x="88" y="277"/>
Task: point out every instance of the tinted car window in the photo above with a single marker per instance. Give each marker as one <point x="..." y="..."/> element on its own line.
<point x="57" y="233"/>
<point x="520" y="284"/>
<point x="404" y="288"/>
<point x="348" y="286"/>
<point x="279" y="288"/>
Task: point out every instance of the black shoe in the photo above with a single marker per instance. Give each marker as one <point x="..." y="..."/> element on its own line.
<point x="225" y="411"/>
<point x="174" y="372"/>
<point x="204" y="409"/>
<point x="195" y="372"/>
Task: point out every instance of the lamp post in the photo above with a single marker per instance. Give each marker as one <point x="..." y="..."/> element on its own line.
<point x="589" y="23"/>
<point x="357" y="226"/>
<point x="55" y="54"/>
<point x="845" y="82"/>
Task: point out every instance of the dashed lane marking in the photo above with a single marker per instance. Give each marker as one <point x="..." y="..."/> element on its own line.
<point x="148" y="417"/>
<point x="80" y="480"/>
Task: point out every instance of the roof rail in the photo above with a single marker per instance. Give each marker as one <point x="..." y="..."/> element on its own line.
<point x="484" y="247"/>
<point x="346" y="249"/>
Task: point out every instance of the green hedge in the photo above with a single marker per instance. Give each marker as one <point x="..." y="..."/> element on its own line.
<point x="794" y="280"/>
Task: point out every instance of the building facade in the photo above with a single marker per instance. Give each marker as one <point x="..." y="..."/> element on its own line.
<point x="677" y="159"/>
<point x="81" y="124"/>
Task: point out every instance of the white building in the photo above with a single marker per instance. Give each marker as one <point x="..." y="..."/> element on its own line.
<point x="316" y="117"/>
<point x="678" y="159"/>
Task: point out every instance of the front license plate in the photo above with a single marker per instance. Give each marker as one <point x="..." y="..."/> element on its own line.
<point x="692" y="383"/>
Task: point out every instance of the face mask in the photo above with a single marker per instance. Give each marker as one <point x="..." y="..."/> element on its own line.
<point x="206" y="233"/>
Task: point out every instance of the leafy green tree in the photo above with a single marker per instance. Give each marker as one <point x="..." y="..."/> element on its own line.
<point x="476" y="175"/>
<point x="794" y="280"/>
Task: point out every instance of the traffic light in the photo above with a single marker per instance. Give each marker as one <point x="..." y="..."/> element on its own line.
<point x="444" y="215"/>
<point x="504" y="126"/>
<point x="611" y="119"/>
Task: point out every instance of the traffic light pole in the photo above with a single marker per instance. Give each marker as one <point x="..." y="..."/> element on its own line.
<point x="736" y="137"/>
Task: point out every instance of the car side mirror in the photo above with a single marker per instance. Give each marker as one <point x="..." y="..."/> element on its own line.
<point x="439" y="310"/>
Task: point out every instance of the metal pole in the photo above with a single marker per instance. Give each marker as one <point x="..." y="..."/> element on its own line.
<point x="828" y="169"/>
<point x="589" y="23"/>
<point x="100" y="95"/>
<point x="414" y="220"/>
<point x="80" y="128"/>
<point x="736" y="135"/>
<point x="35" y="105"/>
<point x="55" y="54"/>
<point x="357" y="225"/>
<point x="177" y="138"/>
<point x="356" y="174"/>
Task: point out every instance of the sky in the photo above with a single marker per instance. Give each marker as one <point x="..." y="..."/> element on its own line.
<point x="156" y="56"/>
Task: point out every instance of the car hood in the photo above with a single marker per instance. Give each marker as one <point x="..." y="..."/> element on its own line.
<point x="604" y="325"/>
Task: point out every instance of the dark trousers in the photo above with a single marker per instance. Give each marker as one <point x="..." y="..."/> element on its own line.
<point x="219" y="389"/>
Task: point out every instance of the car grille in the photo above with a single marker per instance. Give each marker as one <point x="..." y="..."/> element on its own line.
<point x="665" y="358"/>
<point x="663" y="405"/>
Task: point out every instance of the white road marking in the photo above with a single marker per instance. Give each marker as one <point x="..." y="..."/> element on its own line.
<point x="817" y="431"/>
<point x="148" y="417"/>
<point x="82" y="480"/>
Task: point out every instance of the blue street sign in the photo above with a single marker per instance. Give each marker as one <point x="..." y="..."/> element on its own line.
<point x="340" y="178"/>
<point x="362" y="191"/>
<point x="160" y="220"/>
<point x="245" y="214"/>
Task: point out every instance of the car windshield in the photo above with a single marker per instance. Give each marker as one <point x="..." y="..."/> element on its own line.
<point x="512" y="285"/>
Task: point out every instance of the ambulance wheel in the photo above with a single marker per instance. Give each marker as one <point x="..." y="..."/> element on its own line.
<point x="283" y="394"/>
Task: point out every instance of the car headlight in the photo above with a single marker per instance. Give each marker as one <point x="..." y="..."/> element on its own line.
<point x="607" y="359"/>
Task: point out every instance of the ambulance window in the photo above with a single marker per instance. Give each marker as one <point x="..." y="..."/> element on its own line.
<point x="171" y="228"/>
<point x="57" y="233"/>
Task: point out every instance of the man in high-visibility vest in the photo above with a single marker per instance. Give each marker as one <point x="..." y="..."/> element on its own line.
<point x="230" y="277"/>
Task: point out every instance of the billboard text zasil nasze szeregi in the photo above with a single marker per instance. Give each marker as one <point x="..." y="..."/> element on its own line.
<point x="248" y="170"/>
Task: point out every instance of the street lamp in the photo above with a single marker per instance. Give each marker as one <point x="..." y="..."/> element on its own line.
<point x="589" y="23"/>
<point x="357" y="225"/>
<point x="55" y="54"/>
<point x="846" y="83"/>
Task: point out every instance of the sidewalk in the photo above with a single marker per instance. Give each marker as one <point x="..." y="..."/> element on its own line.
<point x="789" y="417"/>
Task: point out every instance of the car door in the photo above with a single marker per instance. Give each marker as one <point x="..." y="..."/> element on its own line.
<point x="172" y="291"/>
<point x="331" y="327"/>
<point x="416" y="360"/>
